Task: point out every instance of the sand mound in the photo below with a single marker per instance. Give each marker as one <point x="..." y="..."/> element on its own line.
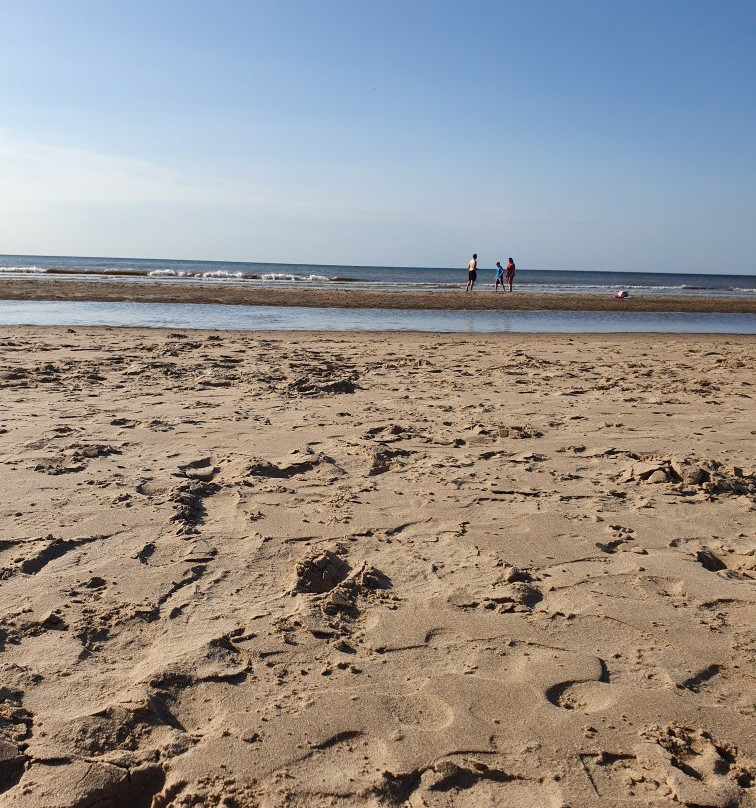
<point x="691" y="474"/>
<point x="320" y="573"/>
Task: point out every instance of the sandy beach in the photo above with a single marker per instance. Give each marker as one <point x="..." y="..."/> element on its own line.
<point x="481" y="299"/>
<point x="362" y="570"/>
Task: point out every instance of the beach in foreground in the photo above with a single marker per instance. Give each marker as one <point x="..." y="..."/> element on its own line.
<point x="244" y="569"/>
<point x="481" y="299"/>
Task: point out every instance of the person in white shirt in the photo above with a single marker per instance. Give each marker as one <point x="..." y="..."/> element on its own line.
<point x="472" y="272"/>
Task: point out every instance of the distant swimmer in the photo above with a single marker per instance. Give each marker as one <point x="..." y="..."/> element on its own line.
<point x="499" y="277"/>
<point x="472" y="273"/>
<point x="510" y="272"/>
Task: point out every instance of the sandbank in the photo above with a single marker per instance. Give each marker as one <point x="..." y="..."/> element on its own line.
<point x="481" y="298"/>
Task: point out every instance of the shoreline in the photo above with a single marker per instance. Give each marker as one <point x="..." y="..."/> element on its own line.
<point x="484" y="299"/>
<point x="555" y="338"/>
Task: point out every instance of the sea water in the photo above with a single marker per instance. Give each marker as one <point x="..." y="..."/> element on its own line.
<point x="140" y="270"/>
<point x="292" y="318"/>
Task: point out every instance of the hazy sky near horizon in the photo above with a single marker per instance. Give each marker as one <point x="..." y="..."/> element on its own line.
<point x="571" y="134"/>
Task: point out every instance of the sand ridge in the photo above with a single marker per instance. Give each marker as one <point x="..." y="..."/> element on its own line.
<point x="243" y="569"/>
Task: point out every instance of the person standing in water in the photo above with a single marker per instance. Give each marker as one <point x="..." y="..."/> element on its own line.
<point x="510" y="272"/>
<point x="499" y="277"/>
<point x="472" y="272"/>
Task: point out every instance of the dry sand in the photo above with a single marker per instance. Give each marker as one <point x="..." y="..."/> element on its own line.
<point x="482" y="298"/>
<point x="376" y="570"/>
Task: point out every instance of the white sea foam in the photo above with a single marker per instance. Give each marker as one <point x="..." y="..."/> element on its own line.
<point x="168" y="273"/>
<point x="221" y="273"/>
<point x="30" y="270"/>
<point x="283" y="276"/>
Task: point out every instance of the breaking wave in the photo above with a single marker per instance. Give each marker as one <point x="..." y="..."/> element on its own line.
<point x="289" y="278"/>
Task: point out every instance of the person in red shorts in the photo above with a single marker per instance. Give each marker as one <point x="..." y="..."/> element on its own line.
<point x="510" y="273"/>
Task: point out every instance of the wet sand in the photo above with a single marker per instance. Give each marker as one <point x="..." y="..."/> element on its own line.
<point x="363" y="570"/>
<point x="482" y="298"/>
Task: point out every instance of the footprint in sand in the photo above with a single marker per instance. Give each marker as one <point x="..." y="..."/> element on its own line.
<point x="465" y="782"/>
<point x="587" y="697"/>
<point x="699" y="770"/>
<point x="203" y="469"/>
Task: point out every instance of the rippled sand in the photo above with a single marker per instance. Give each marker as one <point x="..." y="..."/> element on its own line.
<point x="246" y="569"/>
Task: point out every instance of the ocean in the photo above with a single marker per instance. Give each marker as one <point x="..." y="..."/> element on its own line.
<point x="141" y="270"/>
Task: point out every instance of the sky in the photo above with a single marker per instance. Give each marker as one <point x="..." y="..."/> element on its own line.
<point x="570" y="134"/>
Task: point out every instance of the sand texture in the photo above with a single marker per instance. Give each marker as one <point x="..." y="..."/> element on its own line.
<point x="376" y="570"/>
<point x="483" y="298"/>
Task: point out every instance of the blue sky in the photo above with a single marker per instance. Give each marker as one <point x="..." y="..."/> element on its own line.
<point x="571" y="134"/>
